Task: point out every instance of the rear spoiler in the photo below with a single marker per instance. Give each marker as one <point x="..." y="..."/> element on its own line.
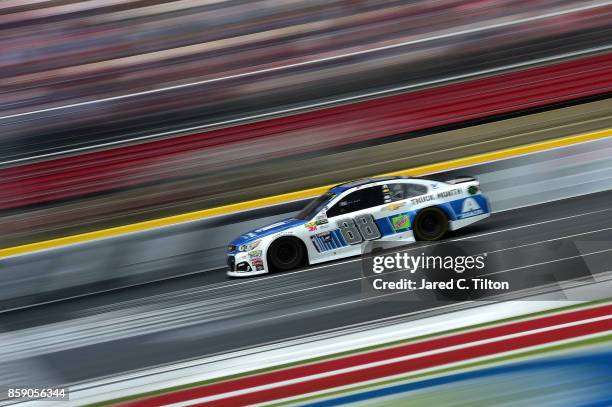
<point x="461" y="180"/>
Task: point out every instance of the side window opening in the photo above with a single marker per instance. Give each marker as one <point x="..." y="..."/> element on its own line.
<point x="358" y="200"/>
<point x="401" y="191"/>
<point x="397" y="192"/>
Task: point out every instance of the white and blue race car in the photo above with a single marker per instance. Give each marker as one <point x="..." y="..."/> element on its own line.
<point x="340" y="222"/>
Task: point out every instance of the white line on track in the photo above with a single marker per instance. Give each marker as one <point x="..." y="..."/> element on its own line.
<point x="220" y="286"/>
<point x="223" y="285"/>
<point x="245" y="301"/>
<point x="548" y="240"/>
<point x="372" y="298"/>
<point x="401" y="291"/>
<point x="547" y="262"/>
<point x="20" y="346"/>
<point x="286" y="293"/>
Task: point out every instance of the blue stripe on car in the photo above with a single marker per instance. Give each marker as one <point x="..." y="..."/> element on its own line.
<point x="339" y="238"/>
<point x="385" y="227"/>
<point x="315" y="243"/>
<point x="322" y="245"/>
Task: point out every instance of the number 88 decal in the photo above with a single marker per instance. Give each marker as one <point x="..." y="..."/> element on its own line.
<point x="355" y="231"/>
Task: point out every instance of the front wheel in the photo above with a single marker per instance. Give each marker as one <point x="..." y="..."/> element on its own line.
<point x="286" y="254"/>
<point x="430" y="224"/>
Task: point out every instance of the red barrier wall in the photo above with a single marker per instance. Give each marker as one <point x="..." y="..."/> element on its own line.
<point x="131" y="165"/>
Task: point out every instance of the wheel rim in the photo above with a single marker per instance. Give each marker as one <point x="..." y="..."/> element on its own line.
<point x="286" y="253"/>
<point x="430" y="224"/>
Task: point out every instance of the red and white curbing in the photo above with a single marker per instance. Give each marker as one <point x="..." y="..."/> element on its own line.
<point x="397" y="360"/>
<point x="422" y="355"/>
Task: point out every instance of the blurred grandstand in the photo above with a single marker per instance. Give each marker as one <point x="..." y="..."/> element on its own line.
<point x="246" y="56"/>
<point x="94" y="76"/>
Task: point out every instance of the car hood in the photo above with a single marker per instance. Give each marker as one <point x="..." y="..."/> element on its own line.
<point x="267" y="230"/>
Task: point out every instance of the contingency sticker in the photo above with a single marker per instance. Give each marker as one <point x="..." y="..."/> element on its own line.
<point x="400" y="222"/>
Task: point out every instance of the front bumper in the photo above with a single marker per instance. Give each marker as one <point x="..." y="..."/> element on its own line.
<point x="244" y="264"/>
<point x="245" y="273"/>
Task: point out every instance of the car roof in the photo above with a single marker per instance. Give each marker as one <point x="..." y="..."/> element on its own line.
<point x="340" y="188"/>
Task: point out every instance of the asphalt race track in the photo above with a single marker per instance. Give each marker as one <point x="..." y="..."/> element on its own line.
<point x="205" y="314"/>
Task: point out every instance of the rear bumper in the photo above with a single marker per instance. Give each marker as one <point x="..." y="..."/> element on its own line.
<point x="458" y="224"/>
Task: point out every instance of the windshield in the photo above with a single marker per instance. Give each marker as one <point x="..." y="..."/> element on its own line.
<point x="314" y="206"/>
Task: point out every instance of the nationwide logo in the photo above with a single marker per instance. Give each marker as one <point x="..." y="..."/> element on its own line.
<point x="400" y="222"/>
<point x="470" y="208"/>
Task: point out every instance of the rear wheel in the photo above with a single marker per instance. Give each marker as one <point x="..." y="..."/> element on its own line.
<point x="286" y="254"/>
<point x="430" y="224"/>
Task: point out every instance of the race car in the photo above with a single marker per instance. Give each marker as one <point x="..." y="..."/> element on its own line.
<point x="344" y="219"/>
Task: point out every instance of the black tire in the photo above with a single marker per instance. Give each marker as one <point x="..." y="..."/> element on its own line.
<point x="286" y="254"/>
<point x="430" y="224"/>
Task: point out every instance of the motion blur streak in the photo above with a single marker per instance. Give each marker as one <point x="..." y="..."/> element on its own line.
<point x="300" y="108"/>
<point x="299" y="195"/>
<point x="299" y="64"/>
<point x="249" y="181"/>
<point x="195" y="250"/>
<point x="64" y="57"/>
<point x="385" y="362"/>
<point x="382" y="334"/>
<point x="90" y="53"/>
<point x="139" y="137"/>
<point x="189" y="156"/>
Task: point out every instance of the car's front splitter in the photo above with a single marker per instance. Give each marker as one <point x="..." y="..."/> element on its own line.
<point x="246" y="273"/>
